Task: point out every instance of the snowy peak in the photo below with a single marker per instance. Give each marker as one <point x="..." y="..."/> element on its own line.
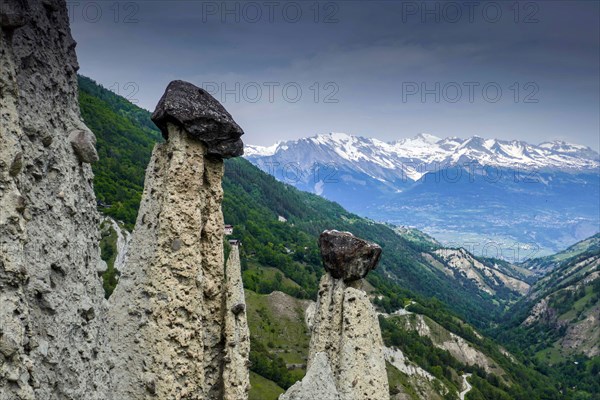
<point x="420" y="139"/>
<point x="477" y="143"/>
<point x="576" y="150"/>
<point x="261" y="151"/>
<point x="380" y="159"/>
<point x="428" y="138"/>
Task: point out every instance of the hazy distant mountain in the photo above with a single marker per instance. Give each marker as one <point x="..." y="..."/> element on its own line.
<point x="415" y="157"/>
<point x="509" y="198"/>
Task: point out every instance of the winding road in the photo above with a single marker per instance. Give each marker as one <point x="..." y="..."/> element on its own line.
<point x="467" y="385"/>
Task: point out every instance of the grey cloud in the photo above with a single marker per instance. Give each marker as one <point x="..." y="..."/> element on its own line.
<point x="368" y="54"/>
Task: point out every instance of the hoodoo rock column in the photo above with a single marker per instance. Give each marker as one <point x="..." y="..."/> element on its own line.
<point x="346" y="360"/>
<point x="172" y="333"/>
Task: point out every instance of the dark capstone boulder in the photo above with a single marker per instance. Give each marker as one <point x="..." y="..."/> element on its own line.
<point x="202" y="116"/>
<point x="347" y="257"/>
<point x="13" y="13"/>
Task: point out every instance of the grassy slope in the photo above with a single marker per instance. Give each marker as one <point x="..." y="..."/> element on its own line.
<point x="263" y="389"/>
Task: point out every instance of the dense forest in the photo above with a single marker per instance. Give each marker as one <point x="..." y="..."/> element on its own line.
<point x="124" y="145"/>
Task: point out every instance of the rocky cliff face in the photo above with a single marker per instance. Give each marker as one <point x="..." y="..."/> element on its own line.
<point x="177" y="324"/>
<point x="346" y="360"/>
<point x="50" y="293"/>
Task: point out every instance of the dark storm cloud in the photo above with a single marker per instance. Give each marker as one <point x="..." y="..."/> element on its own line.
<point x="354" y="63"/>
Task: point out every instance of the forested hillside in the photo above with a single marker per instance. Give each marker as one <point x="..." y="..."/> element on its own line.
<point x="280" y="255"/>
<point x="125" y="138"/>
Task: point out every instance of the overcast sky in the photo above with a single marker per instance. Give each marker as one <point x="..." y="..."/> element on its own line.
<point x="384" y="69"/>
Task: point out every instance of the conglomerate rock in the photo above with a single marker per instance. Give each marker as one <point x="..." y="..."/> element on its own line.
<point x="50" y="293"/>
<point x="318" y="383"/>
<point x="13" y="14"/>
<point x="84" y="145"/>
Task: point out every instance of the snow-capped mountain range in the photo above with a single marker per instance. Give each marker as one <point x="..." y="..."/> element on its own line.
<point x="542" y="196"/>
<point x="423" y="153"/>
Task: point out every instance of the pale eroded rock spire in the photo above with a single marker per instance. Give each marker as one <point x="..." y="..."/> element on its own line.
<point x="346" y="360"/>
<point x="178" y="324"/>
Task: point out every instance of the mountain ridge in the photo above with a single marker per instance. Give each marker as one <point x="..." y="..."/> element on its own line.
<point x="526" y="200"/>
<point x="428" y="149"/>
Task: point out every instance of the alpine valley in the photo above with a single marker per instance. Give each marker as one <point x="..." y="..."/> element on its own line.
<point x="141" y="257"/>
<point x="506" y="199"/>
<point x="455" y="325"/>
